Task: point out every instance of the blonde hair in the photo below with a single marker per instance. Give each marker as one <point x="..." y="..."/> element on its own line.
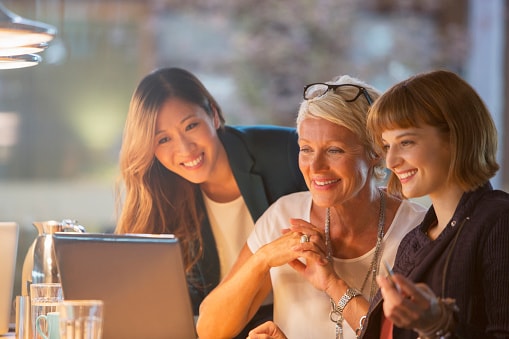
<point x="334" y="107"/>
<point x="443" y="100"/>
<point x="150" y="198"/>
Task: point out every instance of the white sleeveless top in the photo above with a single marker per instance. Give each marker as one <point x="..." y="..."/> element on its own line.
<point x="300" y="310"/>
<point x="231" y="224"/>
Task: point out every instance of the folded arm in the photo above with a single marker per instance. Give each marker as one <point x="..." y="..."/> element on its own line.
<point x="230" y="306"/>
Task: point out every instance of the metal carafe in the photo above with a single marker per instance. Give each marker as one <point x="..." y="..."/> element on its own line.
<point x="40" y="263"/>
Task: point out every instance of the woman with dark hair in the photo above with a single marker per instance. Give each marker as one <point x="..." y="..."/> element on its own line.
<point x="184" y="172"/>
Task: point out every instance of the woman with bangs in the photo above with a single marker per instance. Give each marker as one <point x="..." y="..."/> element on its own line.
<point x="318" y="252"/>
<point x="183" y="171"/>
<point x="451" y="273"/>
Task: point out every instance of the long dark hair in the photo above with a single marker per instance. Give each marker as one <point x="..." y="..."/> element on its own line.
<point x="150" y="198"/>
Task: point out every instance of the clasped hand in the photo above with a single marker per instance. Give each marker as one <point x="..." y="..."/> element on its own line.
<point x="316" y="268"/>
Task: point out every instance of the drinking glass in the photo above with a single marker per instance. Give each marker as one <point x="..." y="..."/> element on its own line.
<point x="81" y="319"/>
<point x="44" y="298"/>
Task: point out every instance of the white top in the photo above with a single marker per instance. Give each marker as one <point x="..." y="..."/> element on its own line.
<point x="300" y="310"/>
<point x="231" y="224"/>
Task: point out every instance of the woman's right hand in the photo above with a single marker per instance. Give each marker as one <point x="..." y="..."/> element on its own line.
<point x="267" y="330"/>
<point x="408" y="305"/>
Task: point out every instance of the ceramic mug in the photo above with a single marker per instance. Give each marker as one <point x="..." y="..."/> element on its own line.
<point x="44" y="298"/>
<point x="50" y="327"/>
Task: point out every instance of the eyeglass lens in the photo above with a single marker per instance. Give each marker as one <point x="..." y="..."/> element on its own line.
<point x="315" y="90"/>
<point x="319" y="89"/>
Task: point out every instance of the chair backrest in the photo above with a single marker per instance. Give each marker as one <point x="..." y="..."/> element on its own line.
<point x="8" y="247"/>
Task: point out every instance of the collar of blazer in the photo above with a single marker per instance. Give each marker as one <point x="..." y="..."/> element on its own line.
<point x="251" y="185"/>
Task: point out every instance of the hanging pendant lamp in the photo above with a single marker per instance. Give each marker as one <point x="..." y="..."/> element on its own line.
<point x="19" y="61"/>
<point x="20" y="38"/>
<point x="28" y="49"/>
<point x="16" y="31"/>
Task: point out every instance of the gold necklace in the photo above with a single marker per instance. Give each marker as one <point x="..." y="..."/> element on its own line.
<point x="375" y="262"/>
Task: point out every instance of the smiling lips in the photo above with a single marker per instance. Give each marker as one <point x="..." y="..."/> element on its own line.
<point x="193" y="163"/>
<point x="405" y="176"/>
<point x="322" y="183"/>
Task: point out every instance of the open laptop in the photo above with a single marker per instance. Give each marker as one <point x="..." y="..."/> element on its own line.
<point x="140" y="279"/>
<point x="8" y="247"/>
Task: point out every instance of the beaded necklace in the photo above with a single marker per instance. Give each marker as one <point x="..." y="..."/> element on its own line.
<point x="375" y="262"/>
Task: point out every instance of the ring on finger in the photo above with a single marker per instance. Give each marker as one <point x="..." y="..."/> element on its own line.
<point x="304" y="238"/>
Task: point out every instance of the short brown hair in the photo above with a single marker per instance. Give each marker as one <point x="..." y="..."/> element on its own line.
<point x="444" y="100"/>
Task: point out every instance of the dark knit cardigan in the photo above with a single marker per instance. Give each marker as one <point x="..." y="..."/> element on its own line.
<point x="469" y="262"/>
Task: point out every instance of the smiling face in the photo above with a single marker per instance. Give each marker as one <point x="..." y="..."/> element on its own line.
<point x="186" y="140"/>
<point x="420" y="158"/>
<point x="333" y="161"/>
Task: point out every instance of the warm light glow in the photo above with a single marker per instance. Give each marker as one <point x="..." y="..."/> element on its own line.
<point x="20" y="50"/>
<point x="14" y="35"/>
<point x="16" y="31"/>
<point x="19" y="61"/>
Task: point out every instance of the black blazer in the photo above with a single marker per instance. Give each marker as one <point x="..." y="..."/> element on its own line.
<point x="264" y="160"/>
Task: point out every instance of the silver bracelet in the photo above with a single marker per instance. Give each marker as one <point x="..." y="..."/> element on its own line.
<point x="359" y="329"/>
<point x="336" y="313"/>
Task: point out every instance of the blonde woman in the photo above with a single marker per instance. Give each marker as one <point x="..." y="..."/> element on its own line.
<point x="318" y="252"/>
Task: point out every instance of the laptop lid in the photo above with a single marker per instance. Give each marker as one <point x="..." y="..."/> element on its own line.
<point x="8" y="247"/>
<point x="140" y="278"/>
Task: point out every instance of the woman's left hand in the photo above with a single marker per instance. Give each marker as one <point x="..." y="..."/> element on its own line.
<point x="267" y="330"/>
<point x="317" y="269"/>
<point x="408" y="305"/>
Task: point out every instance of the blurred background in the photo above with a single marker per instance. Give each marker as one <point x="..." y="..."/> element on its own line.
<point x="61" y="121"/>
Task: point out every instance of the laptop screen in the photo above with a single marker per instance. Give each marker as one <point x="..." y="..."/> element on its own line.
<point x="140" y="279"/>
